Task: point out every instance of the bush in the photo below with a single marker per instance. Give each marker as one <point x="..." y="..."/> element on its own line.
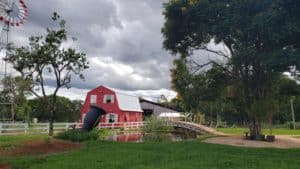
<point x="77" y="135"/>
<point x="291" y="126"/>
<point x="154" y="124"/>
<point x="80" y="135"/>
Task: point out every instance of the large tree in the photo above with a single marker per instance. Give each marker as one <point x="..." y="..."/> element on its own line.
<point x="46" y="60"/>
<point x="262" y="38"/>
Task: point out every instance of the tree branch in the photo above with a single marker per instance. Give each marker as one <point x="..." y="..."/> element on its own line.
<point x="220" y="53"/>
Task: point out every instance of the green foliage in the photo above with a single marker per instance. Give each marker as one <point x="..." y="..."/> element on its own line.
<point x="81" y="136"/>
<point x="77" y="135"/>
<point x="46" y="56"/>
<point x="290" y="125"/>
<point x="153" y="124"/>
<point x="67" y="110"/>
<point x="14" y="93"/>
<point x="260" y="39"/>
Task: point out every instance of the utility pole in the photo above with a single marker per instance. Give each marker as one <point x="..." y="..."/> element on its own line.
<point x="293" y="113"/>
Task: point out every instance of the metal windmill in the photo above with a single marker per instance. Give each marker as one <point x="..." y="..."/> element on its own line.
<point x="13" y="13"/>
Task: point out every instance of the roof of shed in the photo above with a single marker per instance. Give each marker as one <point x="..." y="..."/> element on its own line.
<point x="159" y="104"/>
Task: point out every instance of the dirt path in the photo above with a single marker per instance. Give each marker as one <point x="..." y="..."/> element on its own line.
<point x="4" y="166"/>
<point x="280" y="142"/>
<point x="40" y="148"/>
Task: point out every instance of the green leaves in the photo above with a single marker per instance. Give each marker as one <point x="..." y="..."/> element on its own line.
<point x="46" y="56"/>
<point x="46" y="59"/>
<point x="262" y="37"/>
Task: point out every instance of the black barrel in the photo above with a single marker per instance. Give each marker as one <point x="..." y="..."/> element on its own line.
<point x="92" y="117"/>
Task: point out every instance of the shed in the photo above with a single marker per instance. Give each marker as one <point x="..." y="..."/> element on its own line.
<point x="151" y="108"/>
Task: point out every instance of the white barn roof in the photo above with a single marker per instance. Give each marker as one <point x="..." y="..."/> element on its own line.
<point x="126" y="101"/>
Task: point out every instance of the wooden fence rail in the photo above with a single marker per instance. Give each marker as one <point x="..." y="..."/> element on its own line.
<point x="43" y="128"/>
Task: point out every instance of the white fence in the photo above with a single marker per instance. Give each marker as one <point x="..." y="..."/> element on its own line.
<point x="40" y="128"/>
<point x="128" y="125"/>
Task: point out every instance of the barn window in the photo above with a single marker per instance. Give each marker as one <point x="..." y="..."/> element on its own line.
<point x="108" y="99"/>
<point x="111" y="118"/>
<point x="93" y="99"/>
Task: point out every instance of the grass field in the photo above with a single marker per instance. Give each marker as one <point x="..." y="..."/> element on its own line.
<point x="162" y="155"/>
<point x="265" y="131"/>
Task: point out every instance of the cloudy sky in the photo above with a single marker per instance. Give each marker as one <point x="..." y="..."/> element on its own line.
<point x="122" y="40"/>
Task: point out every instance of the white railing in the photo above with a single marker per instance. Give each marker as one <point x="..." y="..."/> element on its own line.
<point x="128" y="125"/>
<point x="40" y="128"/>
<point x="34" y="128"/>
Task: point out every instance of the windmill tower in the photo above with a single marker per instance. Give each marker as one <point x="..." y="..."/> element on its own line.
<point x="13" y="13"/>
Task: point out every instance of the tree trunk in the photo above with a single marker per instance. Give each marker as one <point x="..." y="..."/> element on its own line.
<point x="13" y="114"/>
<point x="51" y="131"/>
<point x="255" y="129"/>
<point x="52" y="117"/>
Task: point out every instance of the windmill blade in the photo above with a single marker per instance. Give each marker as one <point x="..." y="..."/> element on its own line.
<point x="13" y="12"/>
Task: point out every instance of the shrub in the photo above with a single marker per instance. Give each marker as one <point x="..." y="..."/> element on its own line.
<point x="291" y="126"/>
<point x="104" y="133"/>
<point x="154" y="124"/>
<point x="77" y="135"/>
<point x="80" y="135"/>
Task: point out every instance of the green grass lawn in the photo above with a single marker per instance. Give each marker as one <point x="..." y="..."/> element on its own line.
<point x="265" y="131"/>
<point x="162" y="155"/>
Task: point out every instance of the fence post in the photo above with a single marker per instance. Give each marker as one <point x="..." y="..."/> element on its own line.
<point x="48" y="128"/>
<point x="1" y="128"/>
<point x="67" y="126"/>
<point x="26" y="128"/>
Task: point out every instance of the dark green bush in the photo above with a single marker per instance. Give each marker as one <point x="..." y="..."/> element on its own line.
<point x="80" y="135"/>
<point x="77" y="135"/>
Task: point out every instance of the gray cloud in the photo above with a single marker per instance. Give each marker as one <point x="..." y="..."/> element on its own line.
<point x="122" y="40"/>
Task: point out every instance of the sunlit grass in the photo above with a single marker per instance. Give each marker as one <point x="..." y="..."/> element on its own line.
<point x="161" y="155"/>
<point x="276" y="131"/>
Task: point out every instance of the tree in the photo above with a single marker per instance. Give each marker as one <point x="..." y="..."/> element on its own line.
<point x="14" y="93"/>
<point x="44" y="57"/>
<point x="67" y="110"/>
<point x="261" y="37"/>
<point x="201" y="92"/>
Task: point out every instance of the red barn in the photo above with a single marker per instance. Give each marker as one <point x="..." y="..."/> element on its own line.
<point x="120" y="107"/>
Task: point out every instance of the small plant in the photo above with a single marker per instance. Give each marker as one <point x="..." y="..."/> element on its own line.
<point x="104" y="133"/>
<point x="154" y="124"/>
